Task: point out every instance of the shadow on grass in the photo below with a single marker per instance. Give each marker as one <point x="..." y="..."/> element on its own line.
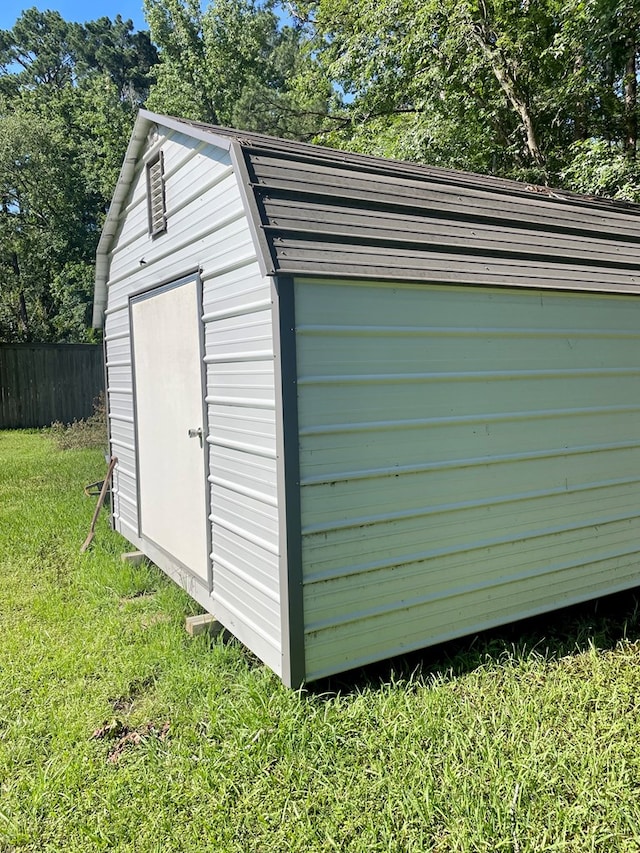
<point x="601" y="623"/>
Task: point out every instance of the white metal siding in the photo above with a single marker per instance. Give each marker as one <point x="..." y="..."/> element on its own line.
<point x="242" y="440"/>
<point x="468" y="456"/>
<point x="207" y="227"/>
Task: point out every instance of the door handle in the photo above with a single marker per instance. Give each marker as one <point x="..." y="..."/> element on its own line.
<point x="195" y="433"/>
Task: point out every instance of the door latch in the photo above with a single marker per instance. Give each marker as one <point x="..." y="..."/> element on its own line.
<point x="196" y="433"/>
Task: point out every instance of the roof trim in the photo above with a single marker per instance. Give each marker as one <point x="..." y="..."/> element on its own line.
<point x="110" y="227"/>
<point x="266" y="259"/>
<point x="181" y="126"/>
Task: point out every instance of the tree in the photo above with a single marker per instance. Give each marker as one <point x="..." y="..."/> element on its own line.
<point x="234" y="64"/>
<point x="112" y="48"/>
<point x="68" y="98"/>
<point x="40" y="47"/>
<point x="519" y="89"/>
<point x="45" y="51"/>
<point x="43" y="231"/>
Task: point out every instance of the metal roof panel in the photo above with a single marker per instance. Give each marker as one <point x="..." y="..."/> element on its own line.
<point x="319" y="211"/>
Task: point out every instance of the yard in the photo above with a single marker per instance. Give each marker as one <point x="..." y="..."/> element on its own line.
<point x="118" y="732"/>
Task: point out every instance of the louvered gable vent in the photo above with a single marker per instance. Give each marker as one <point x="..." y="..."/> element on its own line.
<point x="156" y="197"/>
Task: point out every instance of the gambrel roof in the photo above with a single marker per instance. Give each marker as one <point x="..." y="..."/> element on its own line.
<point x="322" y="212"/>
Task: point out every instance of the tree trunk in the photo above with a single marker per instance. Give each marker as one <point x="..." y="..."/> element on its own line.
<point x="631" y="99"/>
<point x="22" y="302"/>
<point x="519" y="105"/>
<point x="24" y="319"/>
<point x="505" y="76"/>
<point x="580" y="123"/>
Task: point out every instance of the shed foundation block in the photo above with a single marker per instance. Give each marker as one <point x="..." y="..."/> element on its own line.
<point x="134" y="558"/>
<point x="205" y="623"/>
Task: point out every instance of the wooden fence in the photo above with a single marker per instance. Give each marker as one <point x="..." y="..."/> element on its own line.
<point x="42" y="383"/>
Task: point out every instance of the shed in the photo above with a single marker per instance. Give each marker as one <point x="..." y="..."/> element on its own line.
<point x="362" y="406"/>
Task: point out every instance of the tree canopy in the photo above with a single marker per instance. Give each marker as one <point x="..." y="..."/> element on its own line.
<point x="540" y="90"/>
<point x="235" y="63"/>
<point x="68" y="96"/>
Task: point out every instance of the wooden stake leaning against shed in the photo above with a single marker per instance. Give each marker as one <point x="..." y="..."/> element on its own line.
<point x="101" y="497"/>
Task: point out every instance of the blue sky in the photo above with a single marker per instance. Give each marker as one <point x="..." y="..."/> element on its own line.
<point x="75" y="10"/>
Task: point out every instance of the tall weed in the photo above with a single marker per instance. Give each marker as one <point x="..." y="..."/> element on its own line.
<point x="86" y="434"/>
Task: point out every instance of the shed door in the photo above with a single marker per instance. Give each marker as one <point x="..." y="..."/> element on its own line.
<point x="172" y="493"/>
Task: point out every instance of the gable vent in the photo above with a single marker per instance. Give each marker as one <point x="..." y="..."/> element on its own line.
<point x="156" y="196"/>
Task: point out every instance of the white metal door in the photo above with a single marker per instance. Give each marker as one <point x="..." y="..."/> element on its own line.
<point x="172" y="496"/>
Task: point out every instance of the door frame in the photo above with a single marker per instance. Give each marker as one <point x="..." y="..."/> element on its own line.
<point x="193" y="275"/>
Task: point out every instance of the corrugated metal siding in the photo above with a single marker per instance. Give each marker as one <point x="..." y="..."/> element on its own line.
<point x="468" y="456"/>
<point x="121" y="417"/>
<point x="242" y="442"/>
<point x="207" y="227"/>
<point x="334" y="214"/>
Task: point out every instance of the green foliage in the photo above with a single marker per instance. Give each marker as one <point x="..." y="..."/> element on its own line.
<point x="68" y="94"/>
<point x="511" y="89"/>
<point x="41" y="46"/>
<point x="44" y="50"/>
<point x="233" y="63"/>
<point x="43" y="228"/>
<point x="521" y="740"/>
<point x="601" y="168"/>
<point x="542" y="90"/>
<point x="110" y="49"/>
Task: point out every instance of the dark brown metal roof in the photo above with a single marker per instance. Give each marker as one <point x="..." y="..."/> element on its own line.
<point x="319" y="211"/>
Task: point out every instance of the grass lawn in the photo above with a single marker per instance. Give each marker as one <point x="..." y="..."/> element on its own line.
<point x="118" y="732"/>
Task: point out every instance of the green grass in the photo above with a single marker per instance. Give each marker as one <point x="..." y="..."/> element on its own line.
<point x="525" y="739"/>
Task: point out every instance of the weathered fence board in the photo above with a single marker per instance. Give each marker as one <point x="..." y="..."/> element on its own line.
<point x="42" y="383"/>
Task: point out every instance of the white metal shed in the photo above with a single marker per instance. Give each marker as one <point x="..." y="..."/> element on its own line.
<point x="360" y="406"/>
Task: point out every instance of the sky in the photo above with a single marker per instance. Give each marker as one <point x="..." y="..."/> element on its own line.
<point x="75" y="10"/>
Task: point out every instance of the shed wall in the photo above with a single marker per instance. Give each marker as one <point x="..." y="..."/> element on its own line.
<point x="207" y="229"/>
<point x="468" y="457"/>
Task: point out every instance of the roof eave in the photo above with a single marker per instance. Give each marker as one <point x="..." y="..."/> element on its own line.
<point x="109" y="230"/>
<point x="188" y="129"/>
